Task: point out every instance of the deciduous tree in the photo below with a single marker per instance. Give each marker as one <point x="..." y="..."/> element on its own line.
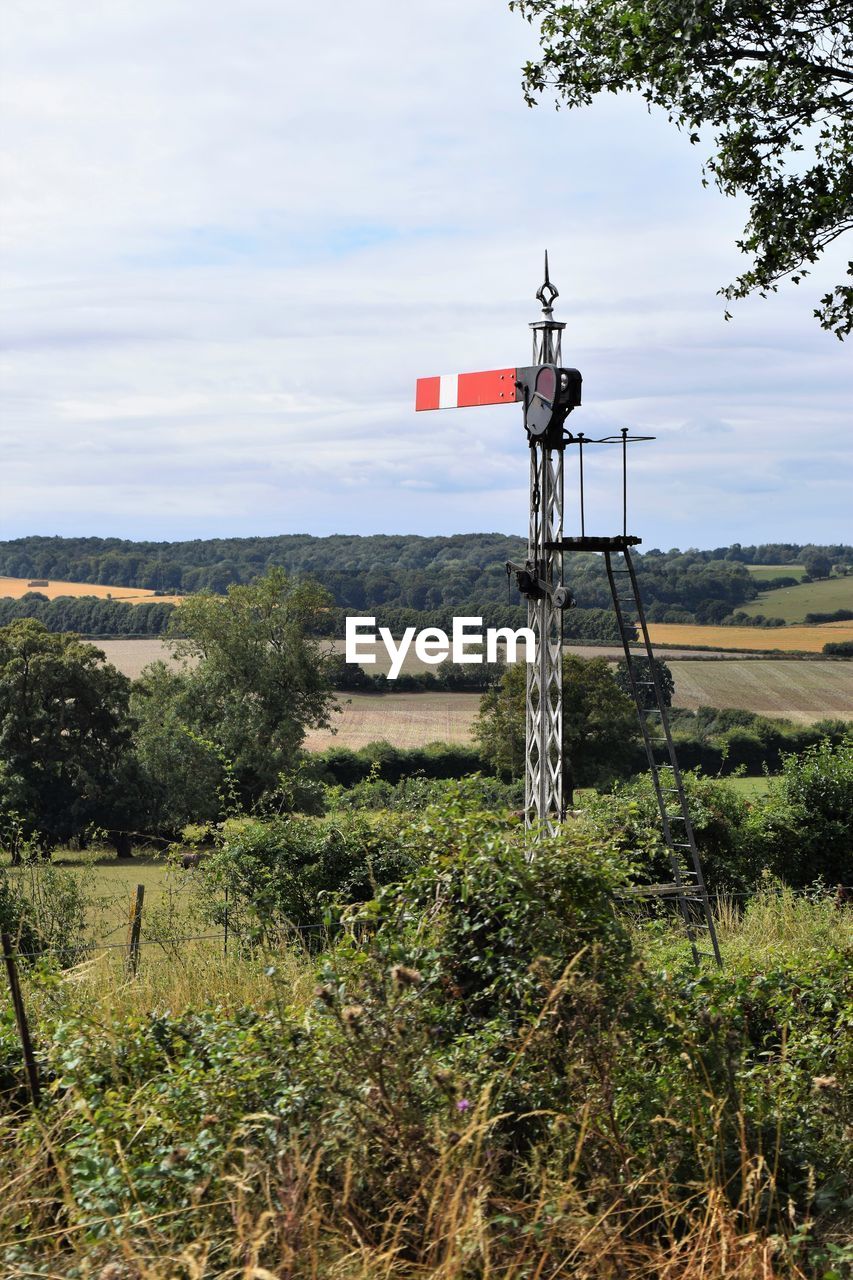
<point x="261" y="675"/>
<point x="65" y="734"/>
<point x="600" y="727"/>
<point x="771" y="81"/>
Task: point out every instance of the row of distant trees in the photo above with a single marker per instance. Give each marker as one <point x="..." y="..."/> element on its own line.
<point x="88" y="615"/>
<point x="465" y="573"/>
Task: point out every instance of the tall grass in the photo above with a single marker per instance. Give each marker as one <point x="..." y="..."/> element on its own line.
<point x="777" y="923"/>
<point x="279" y="1217"/>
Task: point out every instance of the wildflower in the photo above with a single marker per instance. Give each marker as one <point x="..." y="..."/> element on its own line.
<point x="463" y="1105"/>
<point x="351" y="1015"/>
<point x="403" y="976"/>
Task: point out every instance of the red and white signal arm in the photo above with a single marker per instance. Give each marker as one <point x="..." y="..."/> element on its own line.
<point x="467" y="390"/>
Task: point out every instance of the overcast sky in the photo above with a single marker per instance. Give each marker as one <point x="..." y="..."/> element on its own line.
<point x="234" y="234"/>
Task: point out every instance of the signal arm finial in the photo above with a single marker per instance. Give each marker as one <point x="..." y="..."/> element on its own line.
<point x="547" y="293"/>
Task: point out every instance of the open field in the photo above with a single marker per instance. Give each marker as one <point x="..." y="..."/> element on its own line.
<point x="800" y="691"/>
<point x="130" y="656"/>
<point x="764" y="572"/>
<point x="757" y="639"/>
<point x="793" y="603"/>
<point x="110" y="883"/>
<point x="17" y="587"/>
<point x="413" y="664"/>
<point x="403" y="719"/>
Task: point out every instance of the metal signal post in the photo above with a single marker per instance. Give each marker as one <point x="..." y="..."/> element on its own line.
<point x="548" y="394"/>
<point x="543" y="764"/>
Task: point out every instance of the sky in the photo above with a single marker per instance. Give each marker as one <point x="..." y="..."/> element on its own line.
<point x="234" y="234"/>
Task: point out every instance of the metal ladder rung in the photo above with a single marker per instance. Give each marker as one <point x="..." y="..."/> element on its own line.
<point x="688" y="888"/>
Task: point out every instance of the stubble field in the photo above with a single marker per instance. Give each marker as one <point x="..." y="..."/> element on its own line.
<point x="17" y="587"/>
<point x="804" y="692"/>
<point x="804" y="639"/>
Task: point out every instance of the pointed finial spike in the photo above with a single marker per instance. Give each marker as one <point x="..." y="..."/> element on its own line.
<point x="547" y="293"/>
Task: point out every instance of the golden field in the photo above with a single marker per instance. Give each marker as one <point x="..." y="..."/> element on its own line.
<point x="403" y="719"/>
<point x="804" y="691"/>
<point x="794" y="639"/>
<point x="17" y="587"/>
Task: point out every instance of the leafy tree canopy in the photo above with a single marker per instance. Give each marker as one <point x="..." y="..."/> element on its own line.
<point x="65" y="735"/>
<point x="262" y="675"/>
<point x="772" y="80"/>
<point x="600" y="726"/>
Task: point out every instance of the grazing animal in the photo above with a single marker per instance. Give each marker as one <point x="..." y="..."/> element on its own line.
<point x="189" y="861"/>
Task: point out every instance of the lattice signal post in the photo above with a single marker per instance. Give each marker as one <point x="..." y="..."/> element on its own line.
<point x="548" y="393"/>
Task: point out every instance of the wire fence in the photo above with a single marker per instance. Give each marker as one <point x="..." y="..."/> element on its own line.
<point x="290" y="929"/>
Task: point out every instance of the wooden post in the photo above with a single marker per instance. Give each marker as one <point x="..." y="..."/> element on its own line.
<point x="134" y="929"/>
<point x="21" y="1019"/>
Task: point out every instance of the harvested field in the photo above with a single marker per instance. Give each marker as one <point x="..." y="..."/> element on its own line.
<point x="800" y="691"/>
<point x="17" y="587"/>
<point x="413" y="664"/>
<point x="130" y="656"/>
<point x="757" y="639"/>
<point x="403" y="719"/>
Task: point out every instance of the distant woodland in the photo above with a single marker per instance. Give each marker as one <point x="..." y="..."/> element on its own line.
<point x="402" y="580"/>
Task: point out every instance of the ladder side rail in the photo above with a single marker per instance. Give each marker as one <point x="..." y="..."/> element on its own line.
<point x="676" y="771"/>
<point x="653" y="765"/>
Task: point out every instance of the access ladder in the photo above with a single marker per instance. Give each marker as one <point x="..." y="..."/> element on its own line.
<point x="687" y="886"/>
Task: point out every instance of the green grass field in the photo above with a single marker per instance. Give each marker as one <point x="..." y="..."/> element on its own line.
<point x="765" y="572"/>
<point x="750" y="788"/>
<point x="110" y="884"/>
<point x="793" y="603"/>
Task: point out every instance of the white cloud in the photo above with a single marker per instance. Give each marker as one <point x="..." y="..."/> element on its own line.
<point x="233" y="237"/>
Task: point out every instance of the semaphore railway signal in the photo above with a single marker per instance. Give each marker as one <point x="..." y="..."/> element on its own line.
<point x="548" y="393"/>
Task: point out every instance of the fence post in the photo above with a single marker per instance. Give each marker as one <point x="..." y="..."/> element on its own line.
<point x="134" y="929"/>
<point x="21" y="1019"/>
<point x="225" y="922"/>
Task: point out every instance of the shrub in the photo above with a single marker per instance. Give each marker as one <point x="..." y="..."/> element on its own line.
<point x="631" y="818"/>
<point x="802" y="828"/>
<point x="44" y="910"/>
<point x="281" y="877"/>
<point x="414" y="794"/>
<point x="839" y="648"/>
